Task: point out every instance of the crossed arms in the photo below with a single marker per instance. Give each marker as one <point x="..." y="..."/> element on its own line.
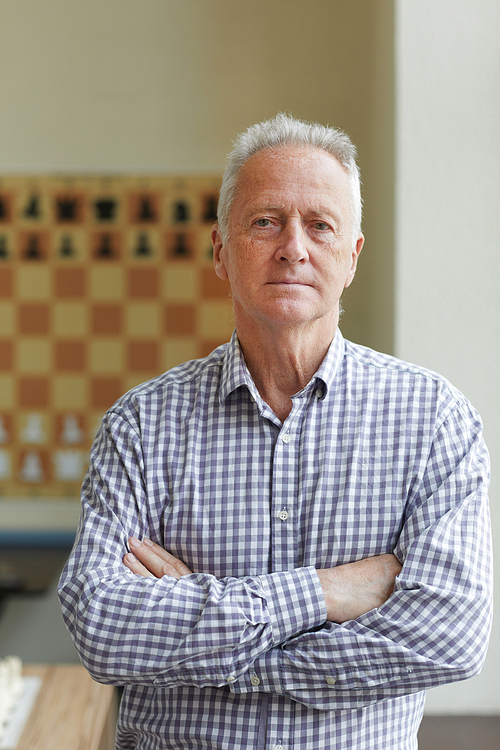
<point x="350" y="590"/>
<point x="338" y="637"/>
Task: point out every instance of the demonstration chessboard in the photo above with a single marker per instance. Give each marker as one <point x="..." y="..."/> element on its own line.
<point x="104" y="282"/>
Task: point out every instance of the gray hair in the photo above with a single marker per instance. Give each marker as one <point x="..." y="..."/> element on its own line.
<point x="280" y="131"/>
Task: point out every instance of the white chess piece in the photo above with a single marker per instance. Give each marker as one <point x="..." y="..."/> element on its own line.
<point x="71" y="432"/>
<point x="69" y="465"/>
<point x="32" y="470"/>
<point x="33" y="432"/>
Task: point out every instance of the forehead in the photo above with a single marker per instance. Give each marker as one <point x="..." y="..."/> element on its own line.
<point x="292" y="176"/>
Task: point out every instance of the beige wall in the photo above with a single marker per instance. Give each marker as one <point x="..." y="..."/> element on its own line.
<point x="165" y="86"/>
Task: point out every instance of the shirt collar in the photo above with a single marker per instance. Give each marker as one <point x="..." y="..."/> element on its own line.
<point x="235" y="373"/>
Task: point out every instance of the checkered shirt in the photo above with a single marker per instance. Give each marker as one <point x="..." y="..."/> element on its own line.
<point x="376" y="456"/>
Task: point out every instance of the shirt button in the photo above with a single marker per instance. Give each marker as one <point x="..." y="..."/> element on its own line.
<point x="286" y="438"/>
<point x="283" y="515"/>
<point x="331" y="680"/>
<point x="319" y="393"/>
<point x="231" y="678"/>
<point x="279" y="746"/>
<point x="254" y="680"/>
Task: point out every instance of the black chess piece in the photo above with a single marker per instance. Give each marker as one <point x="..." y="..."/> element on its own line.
<point x="143" y="248"/>
<point x="105" y="248"/>
<point x="146" y="210"/>
<point x="180" y="249"/>
<point x="33" y="251"/>
<point x="210" y="212"/>
<point x="66" y="209"/>
<point x="105" y="209"/>
<point x="4" y="211"/>
<point x="66" y="250"/>
<point x="4" y="253"/>
<point x="32" y="210"/>
<point x="181" y="212"/>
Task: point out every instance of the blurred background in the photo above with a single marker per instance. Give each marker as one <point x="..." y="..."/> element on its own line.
<point x="117" y="87"/>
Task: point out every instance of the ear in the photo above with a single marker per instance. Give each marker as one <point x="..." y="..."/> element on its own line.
<point x="354" y="257"/>
<point x="219" y="251"/>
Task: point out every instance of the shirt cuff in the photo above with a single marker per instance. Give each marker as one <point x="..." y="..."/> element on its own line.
<point x="295" y="602"/>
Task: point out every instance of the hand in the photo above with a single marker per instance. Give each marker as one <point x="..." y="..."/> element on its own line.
<point x="353" y="589"/>
<point x="149" y="560"/>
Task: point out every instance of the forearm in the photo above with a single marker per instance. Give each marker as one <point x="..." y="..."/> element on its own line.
<point x="433" y="630"/>
<point x="196" y="630"/>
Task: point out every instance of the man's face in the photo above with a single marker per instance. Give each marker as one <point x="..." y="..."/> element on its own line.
<point x="290" y="249"/>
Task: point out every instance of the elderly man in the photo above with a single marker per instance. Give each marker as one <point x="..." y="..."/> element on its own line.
<point x="306" y="519"/>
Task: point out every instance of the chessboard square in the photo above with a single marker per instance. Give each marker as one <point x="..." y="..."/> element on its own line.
<point x="179" y="350"/>
<point x="33" y="392"/>
<point x="6" y="430"/>
<point x="106" y="246"/>
<point x="180" y="283"/>
<point x="106" y="356"/>
<point x="106" y="319"/>
<point x="180" y="320"/>
<point x="211" y="287"/>
<point x="34" y="356"/>
<point x="69" y="246"/>
<point x="69" y="319"/>
<point x="7" y="391"/>
<point x="143" y="283"/>
<point x="143" y="207"/>
<point x="70" y="356"/>
<point x="142" y="246"/>
<point x="33" y="428"/>
<point x="34" y="318"/>
<point x="6" y="201"/>
<point x="215" y="320"/>
<point x="69" y="392"/>
<point x="69" y="465"/>
<point x="7" y="319"/>
<point x="143" y="356"/>
<point x="6" y="355"/>
<point x="33" y="246"/>
<point x="34" y="282"/>
<point x="107" y="283"/>
<point x="143" y="319"/>
<point x="34" y="466"/>
<point x="70" y="282"/>
<point x="6" y="282"/>
<point x="104" y="392"/>
<point x="70" y="428"/>
<point x="180" y="246"/>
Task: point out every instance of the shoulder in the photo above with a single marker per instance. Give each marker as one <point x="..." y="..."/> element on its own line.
<point x="173" y="388"/>
<point x="389" y="375"/>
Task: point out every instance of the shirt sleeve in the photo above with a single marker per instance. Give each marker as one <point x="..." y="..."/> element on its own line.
<point x="198" y="630"/>
<point x="434" y="628"/>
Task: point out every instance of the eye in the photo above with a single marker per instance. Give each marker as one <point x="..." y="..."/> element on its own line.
<point x="263" y="222"/>
<point x="321" y="226"/>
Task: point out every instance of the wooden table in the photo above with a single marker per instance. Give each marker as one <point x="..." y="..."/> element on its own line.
<point x="72" y="712"/>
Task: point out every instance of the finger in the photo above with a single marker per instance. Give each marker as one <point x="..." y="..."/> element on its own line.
<point x="132" y="563"/>
<point x="157" y="560"/>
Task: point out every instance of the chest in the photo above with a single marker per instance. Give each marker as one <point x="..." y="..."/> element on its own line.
<point x="248" y="496"/>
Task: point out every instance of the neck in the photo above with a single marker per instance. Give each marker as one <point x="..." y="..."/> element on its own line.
<point x="283" y="360"/>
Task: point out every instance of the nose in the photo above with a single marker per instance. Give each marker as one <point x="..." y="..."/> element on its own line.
<point x="292" y="245"/>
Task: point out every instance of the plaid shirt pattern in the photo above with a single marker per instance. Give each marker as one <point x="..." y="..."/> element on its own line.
<point x="376" y="456"/>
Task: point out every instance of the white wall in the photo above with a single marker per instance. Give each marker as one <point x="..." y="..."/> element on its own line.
<point x="447" y="231"/>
